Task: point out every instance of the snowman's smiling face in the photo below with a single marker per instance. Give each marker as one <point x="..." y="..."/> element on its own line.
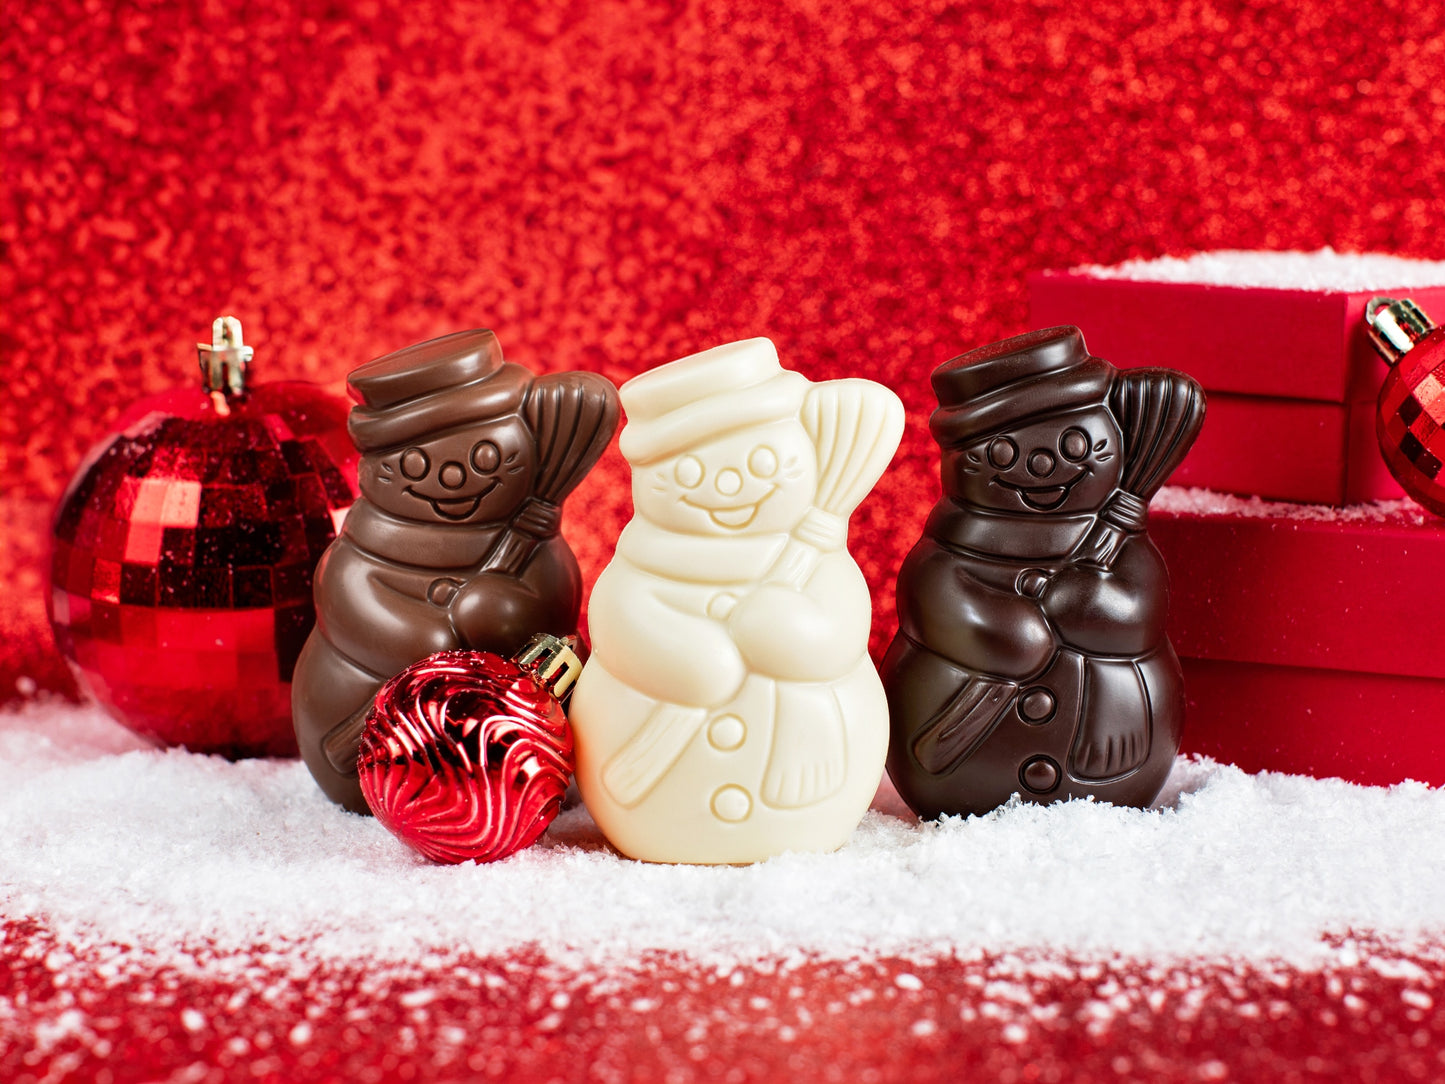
<point x="1060" y="465"/>
<point x="476" y="474"/>
<point x="758" y="480"/>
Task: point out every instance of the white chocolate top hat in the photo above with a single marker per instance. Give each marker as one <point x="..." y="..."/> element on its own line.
<point x="694" y="399"/>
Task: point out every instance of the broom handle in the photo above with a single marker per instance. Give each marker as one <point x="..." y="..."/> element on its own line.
<point x="1123" y="516"/>
<point x="820" y="532"/>
<point x="536" y="521"/>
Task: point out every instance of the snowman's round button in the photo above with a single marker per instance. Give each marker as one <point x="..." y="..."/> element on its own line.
<point x="731" y="803"/>
<point x="726" y="732"/>
<point x="1037" y="705"/>
<point x="1039" y="774"/>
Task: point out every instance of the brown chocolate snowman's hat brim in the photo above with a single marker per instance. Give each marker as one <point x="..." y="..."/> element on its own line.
<point x="431" y="387"/>
<point x="1022" y="379"/>
<point x="703" y="396"/>
<point x="1027" y="400"/>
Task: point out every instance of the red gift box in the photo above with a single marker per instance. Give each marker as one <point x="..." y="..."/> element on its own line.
<point x="1309" y="635"/>
<point x="1291" y="377"/>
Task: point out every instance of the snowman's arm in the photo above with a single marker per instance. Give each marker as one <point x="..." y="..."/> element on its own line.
<point x="371" y="617"/>
<point x="979" y="627"/>
<point x="656" y="648"/>
<point x="498" y="611"/>
<point x="1121" y="611"/>
<point x="816" y="634"/>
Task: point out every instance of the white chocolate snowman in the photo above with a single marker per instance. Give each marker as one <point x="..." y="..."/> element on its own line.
<point x="730" y="711"/>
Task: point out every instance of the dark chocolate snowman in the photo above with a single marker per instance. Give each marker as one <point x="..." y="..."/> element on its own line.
<point x="454" y="542"/>
<point x="1031" y="656"/>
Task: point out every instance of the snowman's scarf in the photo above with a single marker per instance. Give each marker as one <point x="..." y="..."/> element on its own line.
<point x="699" y="559"/>
<point x="1025" y="536"/>
<point x="417" y="544"/>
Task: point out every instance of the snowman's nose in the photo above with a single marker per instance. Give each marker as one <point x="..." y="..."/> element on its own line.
<point x="729" y="482"/>
<point x="452" y="475"/>
<point x="1041" y="462"/>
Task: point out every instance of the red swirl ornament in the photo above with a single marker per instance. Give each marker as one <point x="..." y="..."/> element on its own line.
<point x="466" y="755"/>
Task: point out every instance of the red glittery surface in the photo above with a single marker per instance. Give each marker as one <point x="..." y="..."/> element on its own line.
<point x="616" y="183"/>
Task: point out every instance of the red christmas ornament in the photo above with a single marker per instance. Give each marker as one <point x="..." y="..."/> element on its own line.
<point x="1411" y="410"/>
<point x="466" y="755"/>
<point x="183" y="551"/>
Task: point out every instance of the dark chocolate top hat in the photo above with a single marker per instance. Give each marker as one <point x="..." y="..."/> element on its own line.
<point x="431" y="387"/>
<point x="1029" y="376"/>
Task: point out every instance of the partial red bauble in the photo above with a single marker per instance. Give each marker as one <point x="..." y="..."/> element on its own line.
<point x="1410" y="421"/>
<point x="183" y="552"/>
<point x="466" y="756"/>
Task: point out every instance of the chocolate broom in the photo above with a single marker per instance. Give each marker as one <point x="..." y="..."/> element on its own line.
<point x="1159" y="412"/>
<point x="572" y="417"/>
<point x="855" y="425"/>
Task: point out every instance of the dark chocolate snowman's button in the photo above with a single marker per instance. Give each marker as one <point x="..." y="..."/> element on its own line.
<point x="1037" y="705"/>
<point x="1040" y="775"/>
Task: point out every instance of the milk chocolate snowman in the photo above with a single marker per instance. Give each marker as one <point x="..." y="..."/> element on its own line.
<point x="454" y="542"/>
<point x="1031" y="656"/>
<point x="730" y="710"/>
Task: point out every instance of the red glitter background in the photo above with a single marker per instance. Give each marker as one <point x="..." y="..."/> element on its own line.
<point x="612" y="184"/>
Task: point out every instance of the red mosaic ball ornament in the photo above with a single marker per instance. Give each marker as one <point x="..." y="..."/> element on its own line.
<point x="1410" y="416"/>
<point x="183" y="551"/>
<point x="466" y="755"/>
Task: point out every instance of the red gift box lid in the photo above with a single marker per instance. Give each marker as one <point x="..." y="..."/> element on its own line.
<point x="1278" y="324"/>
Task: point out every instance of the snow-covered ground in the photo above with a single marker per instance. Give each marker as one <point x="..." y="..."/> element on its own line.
<point x="110" y="842"/>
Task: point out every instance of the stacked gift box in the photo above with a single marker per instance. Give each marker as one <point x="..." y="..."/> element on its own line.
<point x="1305" y="588"/>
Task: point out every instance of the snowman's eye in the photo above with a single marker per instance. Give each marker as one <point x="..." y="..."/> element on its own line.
<point x="1002" y="453"/>
<point x="763" y="463"/>
<point x="486" y="456"/>
<point x="415" y="464"/>
<point x="1074" y="444"/>
<point x="688" y="472"/>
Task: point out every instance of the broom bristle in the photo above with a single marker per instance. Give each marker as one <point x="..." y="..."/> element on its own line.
<point x="572" y="416"/>
<point x="856" y="426"/>
<point x="1160" y="412"/>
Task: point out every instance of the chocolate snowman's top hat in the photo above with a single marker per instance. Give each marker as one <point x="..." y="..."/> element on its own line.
<point x="431" y="387"/>
<point x="696" y="398"/>
<point x="1024" y="378"/>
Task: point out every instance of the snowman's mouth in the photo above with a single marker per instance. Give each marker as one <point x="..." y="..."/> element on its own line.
<point x="455" y="508"/>
<point x="1043" y="498"/>
<point x="733" y="517"/>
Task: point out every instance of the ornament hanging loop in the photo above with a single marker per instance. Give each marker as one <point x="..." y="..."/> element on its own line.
<point x="1395" y="326"/>
<point x="224" y="360"/>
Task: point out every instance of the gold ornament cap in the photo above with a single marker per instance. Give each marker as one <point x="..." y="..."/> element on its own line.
<point x="1395" y="326"/>
<point x="552" y="661"/>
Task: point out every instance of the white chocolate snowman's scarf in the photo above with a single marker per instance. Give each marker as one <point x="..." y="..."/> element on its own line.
<point x="699" y="559"/>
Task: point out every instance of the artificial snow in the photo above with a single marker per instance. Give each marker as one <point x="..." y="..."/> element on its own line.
<point x="1180" y="500"/>
<point x="111" y="842"/>
<point x="1324" y="270"/>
